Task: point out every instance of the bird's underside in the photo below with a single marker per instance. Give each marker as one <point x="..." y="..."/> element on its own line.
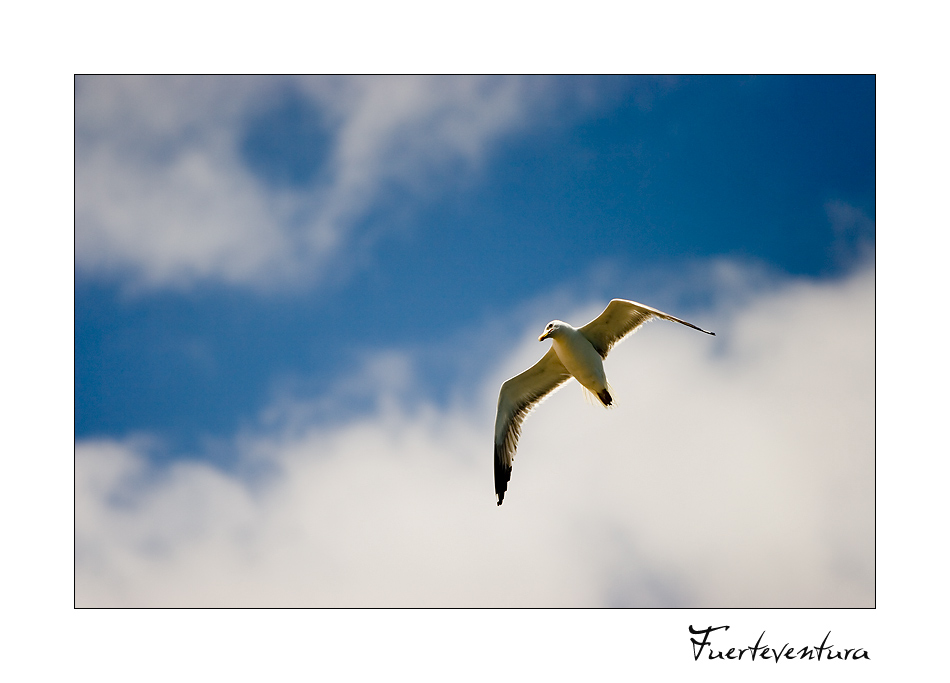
<point x="576" y="352"/>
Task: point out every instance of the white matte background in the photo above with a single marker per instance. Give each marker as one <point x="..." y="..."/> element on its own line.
<point x="45" y="638"/>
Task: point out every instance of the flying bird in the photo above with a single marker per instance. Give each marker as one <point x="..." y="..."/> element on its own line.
<point x="577" y="352"/>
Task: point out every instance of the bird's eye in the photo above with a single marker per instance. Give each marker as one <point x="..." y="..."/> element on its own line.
<point x="549" y="326"/>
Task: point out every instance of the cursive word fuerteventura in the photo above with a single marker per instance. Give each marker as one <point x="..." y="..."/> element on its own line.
<point x="764" y="652"/>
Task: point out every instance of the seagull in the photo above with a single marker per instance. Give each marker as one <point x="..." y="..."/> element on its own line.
<point x="577" y="352"/>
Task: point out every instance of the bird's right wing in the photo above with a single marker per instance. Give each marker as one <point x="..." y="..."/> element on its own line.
<point x="518" y="397"/>
<point x="620" y="318"/>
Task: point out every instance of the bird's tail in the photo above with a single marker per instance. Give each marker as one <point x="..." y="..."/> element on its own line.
<point x="605" y="397"/>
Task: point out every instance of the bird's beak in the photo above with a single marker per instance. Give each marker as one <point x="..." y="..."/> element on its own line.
<point x="544" y="336"/>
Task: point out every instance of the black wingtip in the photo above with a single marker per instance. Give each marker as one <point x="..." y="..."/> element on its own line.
<point x="502" y="476"/>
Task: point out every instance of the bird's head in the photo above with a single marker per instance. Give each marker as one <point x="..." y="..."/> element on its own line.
<point x="552" y="329"/>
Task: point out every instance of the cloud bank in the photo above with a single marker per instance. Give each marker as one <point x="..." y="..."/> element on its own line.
<point x="734" y="472"/>
<point x="165" y="198"/>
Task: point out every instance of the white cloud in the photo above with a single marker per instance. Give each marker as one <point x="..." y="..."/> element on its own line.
<point x="734" y="472"/>
<point x="164" y="198"/>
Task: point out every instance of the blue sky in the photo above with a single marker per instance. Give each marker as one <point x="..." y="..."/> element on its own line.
<point x="591" y="175"/>
<point x="296" y="299"/>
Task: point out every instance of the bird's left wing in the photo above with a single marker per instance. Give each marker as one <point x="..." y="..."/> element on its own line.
<point x="620" y="318"/>
<point x="518" y="397"/>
